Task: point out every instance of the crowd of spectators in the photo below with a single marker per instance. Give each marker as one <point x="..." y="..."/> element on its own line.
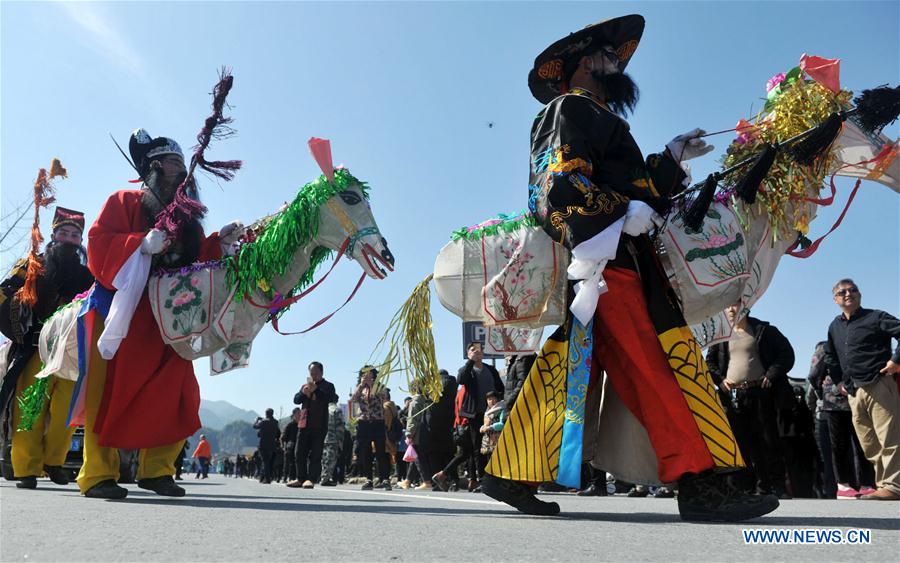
<point x="834" y="435"/>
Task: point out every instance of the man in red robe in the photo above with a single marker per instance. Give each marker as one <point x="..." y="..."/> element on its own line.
<point x="146" y="396"/>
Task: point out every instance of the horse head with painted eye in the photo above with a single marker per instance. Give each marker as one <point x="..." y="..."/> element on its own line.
<point x="269" y="269"/>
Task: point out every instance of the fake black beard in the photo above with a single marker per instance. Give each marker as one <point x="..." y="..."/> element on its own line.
<point x="65" y="268"/>
<point x="159" y="193"/>
<point x="620" y="91"/>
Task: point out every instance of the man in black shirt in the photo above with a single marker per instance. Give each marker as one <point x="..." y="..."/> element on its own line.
<point x="858" y="353"/>
<point x="313" y="399"/>
<point x="269" y="433"/>
<point x="479" y="379"/>
<point x="288" y="444"/>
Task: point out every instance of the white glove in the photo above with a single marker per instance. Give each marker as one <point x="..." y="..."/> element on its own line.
<point x="688" y="146"/>
<point x="229" y="234"/>
<point x="154" y="242"/>
<point x="640" y="218"/>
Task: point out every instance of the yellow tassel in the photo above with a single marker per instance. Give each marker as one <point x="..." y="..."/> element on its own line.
<point x="410" y="345"/>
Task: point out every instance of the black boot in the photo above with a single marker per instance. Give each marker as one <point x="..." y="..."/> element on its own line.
<point x="27" y="483"/>
<point x="593" y="490"/>
<point x="518" y="496"/>
<point x="107" y="489"/>
<point x="709" y="497"/>
<point x="56" y="474"/>
<point x="164" y="486"/>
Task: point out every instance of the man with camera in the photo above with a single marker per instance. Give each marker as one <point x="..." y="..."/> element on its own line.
<point x="312" y="426"/>
<point x="269" y="433"/>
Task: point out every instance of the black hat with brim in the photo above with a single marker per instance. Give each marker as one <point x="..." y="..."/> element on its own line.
<point x="623" y="34"/>
<point x="144" y="148"/>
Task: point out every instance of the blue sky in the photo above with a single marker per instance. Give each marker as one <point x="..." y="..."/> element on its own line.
<point x="405" y="92"/>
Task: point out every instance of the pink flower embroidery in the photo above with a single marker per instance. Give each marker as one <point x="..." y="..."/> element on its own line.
<point x="173" y="284"/>
<point x="195" y="282"/>
<point x="716" y="241"/>
<point x="182" y="298"/>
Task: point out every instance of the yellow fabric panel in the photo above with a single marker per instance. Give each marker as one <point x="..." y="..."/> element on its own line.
<point x="686" y="360"/>
<point x="528" y="448"/>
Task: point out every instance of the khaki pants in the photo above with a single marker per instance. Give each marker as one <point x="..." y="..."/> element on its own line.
<point x="48" y="441"/>
<point x="876" y="419"/>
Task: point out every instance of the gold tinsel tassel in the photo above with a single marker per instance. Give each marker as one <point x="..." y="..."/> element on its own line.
<point x="410" y="345"/>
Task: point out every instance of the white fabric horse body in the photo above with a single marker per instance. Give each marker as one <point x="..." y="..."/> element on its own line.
<point x="198" y="311"/>
<point x="722" y="264"/>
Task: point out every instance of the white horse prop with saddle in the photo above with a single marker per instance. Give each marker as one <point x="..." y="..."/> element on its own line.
<point x="217" y="308"/>
<point x="508" y="273"/>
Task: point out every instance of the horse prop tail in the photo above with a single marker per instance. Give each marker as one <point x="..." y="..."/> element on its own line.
<point x="410" y="344"/>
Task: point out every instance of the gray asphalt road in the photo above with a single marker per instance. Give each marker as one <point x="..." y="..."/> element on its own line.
<point x="238" y="520"/>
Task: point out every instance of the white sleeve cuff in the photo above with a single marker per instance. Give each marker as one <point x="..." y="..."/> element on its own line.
<point x="129" y="283"/>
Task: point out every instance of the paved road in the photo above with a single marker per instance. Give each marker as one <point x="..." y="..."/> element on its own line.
<point x="236" y="520"/>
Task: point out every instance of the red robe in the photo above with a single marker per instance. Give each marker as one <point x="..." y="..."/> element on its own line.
<point x="151" y="397"/>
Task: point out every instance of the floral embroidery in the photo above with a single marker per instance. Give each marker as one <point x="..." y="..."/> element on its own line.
<point x="184" y="301"/>
<point x="718" y="244"/>
<point x="514" y="290"/>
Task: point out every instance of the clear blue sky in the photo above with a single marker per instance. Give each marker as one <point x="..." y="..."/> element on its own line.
<point x="405" y="92"/>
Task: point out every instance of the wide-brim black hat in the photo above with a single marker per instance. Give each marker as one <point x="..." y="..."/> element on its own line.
<point x="623" y="34"/>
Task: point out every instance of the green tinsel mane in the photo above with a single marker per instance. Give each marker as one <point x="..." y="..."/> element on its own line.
<point x="257" y="263"/>
<point x="503" y="223"/>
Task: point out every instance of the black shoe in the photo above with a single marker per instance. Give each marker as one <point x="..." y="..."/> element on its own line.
<point x="386" y="485"/>
<point x="440" y="481"/>
<point x="639" y="491"/>
<point x="107" y="489"/>
<point x="328" y="483"/>
<point x="56" y="474"/>
<point x="164" y="486"/>
<point x="711" y="498"/>
<point x="664" y="492"/>
<point x="518" y="496"/>
<point x="368" y="486"/>
<point x="27" y="483"/>
<point x="453" y="488"/>
<point x="593" y="490"/>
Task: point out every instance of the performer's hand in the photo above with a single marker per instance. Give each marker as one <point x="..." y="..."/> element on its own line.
<point x="154" y="242"/>
<point x="689" y="145"/>
<point x="640" y="218"/>
<point x="725" y="385"/>
<point x="229" y="233"/>
<point x="843" y="389"/>
<point x="766" y="383"/>
<point x="890" y="368"/>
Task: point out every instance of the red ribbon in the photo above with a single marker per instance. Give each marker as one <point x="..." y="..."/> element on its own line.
<point x="323" y="319"/>
<point x="281" y="304"/>
<point x="811" y="249"/>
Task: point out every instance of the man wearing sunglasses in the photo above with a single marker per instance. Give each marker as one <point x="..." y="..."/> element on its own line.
<point x="858" y="352"/>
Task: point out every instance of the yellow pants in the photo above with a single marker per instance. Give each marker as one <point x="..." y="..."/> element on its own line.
<point x="48" y="442"/>
<point x="102" y="463"/>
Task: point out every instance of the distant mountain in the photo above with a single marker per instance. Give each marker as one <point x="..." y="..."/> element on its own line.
<point x="218" y="414"/>
<point x="236" y="437"/>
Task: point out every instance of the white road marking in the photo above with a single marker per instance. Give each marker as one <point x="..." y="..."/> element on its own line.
<point x="413" y="496"/>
